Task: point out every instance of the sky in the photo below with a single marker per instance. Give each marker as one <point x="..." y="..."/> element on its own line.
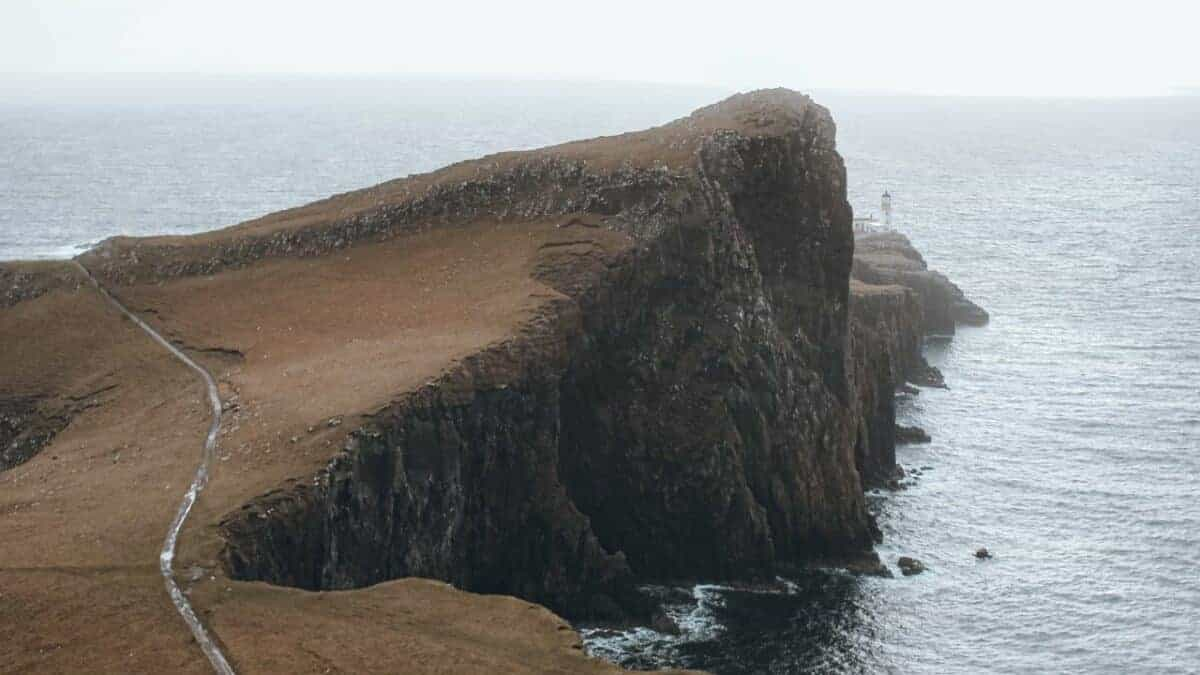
<point x="1016" y="47"/>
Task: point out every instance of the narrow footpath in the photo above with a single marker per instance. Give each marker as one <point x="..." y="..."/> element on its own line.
<point x="166" y="556"/>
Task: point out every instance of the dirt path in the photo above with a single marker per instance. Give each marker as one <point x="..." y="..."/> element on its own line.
<point x="167" y="556"/>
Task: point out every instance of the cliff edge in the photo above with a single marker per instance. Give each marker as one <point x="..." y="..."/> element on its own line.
<point x="550" y="374"/>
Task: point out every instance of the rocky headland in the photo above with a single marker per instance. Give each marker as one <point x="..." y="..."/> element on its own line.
<point x="553" y="374"/>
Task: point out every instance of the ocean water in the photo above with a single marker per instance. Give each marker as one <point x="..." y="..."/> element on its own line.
<point x="1068" y="442"/>
<point x="84" y="162"/>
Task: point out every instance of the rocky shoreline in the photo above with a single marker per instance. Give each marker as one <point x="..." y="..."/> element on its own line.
<point x="896" y="302"/>
<point x="557" y="375"/>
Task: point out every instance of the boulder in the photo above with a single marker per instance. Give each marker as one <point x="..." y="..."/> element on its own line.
<point x="910" y="566"/>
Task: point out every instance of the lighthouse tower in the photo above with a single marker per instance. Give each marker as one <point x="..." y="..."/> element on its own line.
<point x="886" y="205"/>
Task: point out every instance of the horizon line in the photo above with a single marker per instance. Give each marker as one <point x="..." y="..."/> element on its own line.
<point x="1173" y="91"/>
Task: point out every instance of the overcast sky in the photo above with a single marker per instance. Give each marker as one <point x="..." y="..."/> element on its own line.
<point x="1020" y="47"/>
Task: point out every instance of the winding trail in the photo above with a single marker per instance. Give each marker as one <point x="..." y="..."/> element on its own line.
<point x="166" y="556"/>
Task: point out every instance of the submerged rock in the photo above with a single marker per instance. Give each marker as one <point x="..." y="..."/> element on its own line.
<point x="910" y="566"/>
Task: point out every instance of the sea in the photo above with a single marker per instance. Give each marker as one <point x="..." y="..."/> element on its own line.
<point x="1067" y="442"/>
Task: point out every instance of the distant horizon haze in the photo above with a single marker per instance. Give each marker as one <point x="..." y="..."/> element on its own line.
<point x="250" y="87"/>
<point x="926" y="47"/>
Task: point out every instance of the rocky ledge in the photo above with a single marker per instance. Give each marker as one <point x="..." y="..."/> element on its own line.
<point x="884" y="258"/>
<point x="896" y="301"/>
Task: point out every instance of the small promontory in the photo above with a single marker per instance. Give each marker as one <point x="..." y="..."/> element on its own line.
<point x="551" y="374"/>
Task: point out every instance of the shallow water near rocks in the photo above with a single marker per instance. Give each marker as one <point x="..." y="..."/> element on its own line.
<point x="1068" y="442"/>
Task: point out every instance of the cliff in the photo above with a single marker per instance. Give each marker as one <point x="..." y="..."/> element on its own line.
<point x="551" y="374"/>
<point x="679" y="411"/>
<point x="895" y="302"/>
<point x="886" y="335"/>
<point x="889" y="258"/>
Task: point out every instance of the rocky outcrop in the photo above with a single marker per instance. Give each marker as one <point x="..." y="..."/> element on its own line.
<point x="886" y="335"/>
<point x="910" y="566"/>
<point x="23" y="280"/>
<point x="685" y="412"/>
<point x="895" y="302"/>
<point x="887" y="258"/>
<point x="906" y="434"/>
<point x="26" y="425"/>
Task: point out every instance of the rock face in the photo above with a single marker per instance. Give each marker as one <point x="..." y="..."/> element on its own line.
<point x="687" y="413"/>
<point x="895" y="301"/>
<point x="886" y="336"/>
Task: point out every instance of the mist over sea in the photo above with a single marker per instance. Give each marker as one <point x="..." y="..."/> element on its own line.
<point x="1068" y="442"/>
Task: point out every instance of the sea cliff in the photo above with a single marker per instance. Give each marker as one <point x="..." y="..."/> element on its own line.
<point x="552" y="374"/>
<point x="895" y="302"/>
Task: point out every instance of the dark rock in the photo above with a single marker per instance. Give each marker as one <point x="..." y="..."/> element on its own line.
<point x="911" y="435"/>
<point x="969" y="313"/>
<point x="889" y="258"/>
<point x="895" y="303"/>
<point x="885" y="338"/>
<point x="663" y="623"/>
<point x="603" y="608"/>
<point x="925" y="375"/>
<point x="675" y="595"/>
<point x="27" y="424"/>
<point x="910" y="566"/>
<point x="982" y="553"/>
<point x="869" y="566"/>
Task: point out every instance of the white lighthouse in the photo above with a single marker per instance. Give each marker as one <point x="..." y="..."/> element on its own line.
<point x="886" y="205"/>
